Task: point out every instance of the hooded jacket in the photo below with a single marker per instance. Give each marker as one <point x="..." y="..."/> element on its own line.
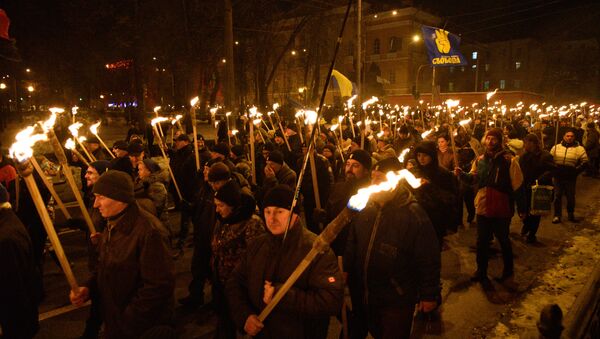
<point x="153" y="188"/>
<point x="392" y="254"/>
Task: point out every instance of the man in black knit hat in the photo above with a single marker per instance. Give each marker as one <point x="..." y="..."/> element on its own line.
<point x="268" y="261"/>
<point x="134" y="275"/>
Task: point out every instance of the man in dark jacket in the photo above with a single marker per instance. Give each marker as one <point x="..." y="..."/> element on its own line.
<point x="393" y="262"/>
<point x="537" y="166"/>
<point x="134" y="276"/>
<point x="20" y="285"/>
<point x="268" y="262"/>
<point x="358" y="175"/>
<point x="438" y="193"/>
<point x="183" y="165"/>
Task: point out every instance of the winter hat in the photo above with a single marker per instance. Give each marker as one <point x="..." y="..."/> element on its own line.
<point x="331" y="148"/>
<point x="362" y="157"/>
<point x="218" y="171"/>
<point x="115" y="185"/>
<point x="221" y="148"/>
<point x="238" y="150"/>
<point x="532" y="138"/>
<point x="101" y="166"/>
<point x="122" y="164"/>
<point x="120" y="144"/>
<point x="495" y="132"/>
<point x="281" y="196"/>
<point x="4" y="197"/>
<point x="388" y="164"/>
<point x="199" y="136"/>
<point x="135" y="148"/>
<point x="276" y="157"/>
<point x="550" y="322"/>
<point x="427" y="147"/>
<point x="183" y="137"/>
<point x="151" y="165"/>
<point x="404" y="130"/>
<point x="230" y="193"/>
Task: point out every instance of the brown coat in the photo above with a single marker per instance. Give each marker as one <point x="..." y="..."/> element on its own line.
<point x="134" y="275"/>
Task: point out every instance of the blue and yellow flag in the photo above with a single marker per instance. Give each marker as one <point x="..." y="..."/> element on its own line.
<point x="442" y="47"/>
<point x="343" y="83"/>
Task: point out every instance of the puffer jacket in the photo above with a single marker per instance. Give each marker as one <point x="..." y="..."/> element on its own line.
<point x="570" y="159"/>
<point x="314" y="297"/>
<point x="134" y="276"/>
<point x="392" y="254"/>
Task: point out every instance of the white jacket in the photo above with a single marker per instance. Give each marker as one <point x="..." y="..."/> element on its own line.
<point x="572" y="156"/>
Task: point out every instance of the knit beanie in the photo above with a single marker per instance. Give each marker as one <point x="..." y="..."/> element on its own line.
<point x="120" y="144"/>
<point x="427" y="147"/>
<point x="218" y="171"/>
<point x="183" y="137"/>
<point x="135" y="147"/>
<point x="276" y="157"/>
<point x="115" y="185"/>
<point x="230" y="193"/>
<point x="388" y="164"/>
<point x="331" y="148"/>
<point x="495" y="132"/>
<point x="281" y="196"/>
<point x="221" y="148"/>
<point x="151" y="165"/>
<point x="3" y="194"/>
<point x="122" y="164"/>
<point x="362" y="157"/>
<point x="101" y="166"/>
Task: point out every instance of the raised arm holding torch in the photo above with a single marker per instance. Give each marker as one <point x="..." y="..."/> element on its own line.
<point x="22" y="152"/>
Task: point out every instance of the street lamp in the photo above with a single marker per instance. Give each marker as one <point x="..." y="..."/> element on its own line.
<point x="416" y="38"/>
<point x="2" y="85"/>
<point x="28" y="70"/>
<point x="30" y="89"/>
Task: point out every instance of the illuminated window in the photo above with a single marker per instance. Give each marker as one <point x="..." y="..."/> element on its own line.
<point x="450" y="87"/>
<point x="517" y="65"/>
<point x="486" y="85"/>
<point x="502" y="84"/>
<point x="395" y="44"/>
<point x="474" y="56"/>
<point x="376" y="46"/>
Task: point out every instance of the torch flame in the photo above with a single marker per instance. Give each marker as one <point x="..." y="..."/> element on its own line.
<point x="256" y="122"/>
<point x="489" y="95"/>
<point x="177" y="118"/>
<point x="333" y="127"/>
<point x="403" y="154"/>
<point x="452" y="103"/>
<point x="74" y="110"/>
<point x="310" y="117"/>
<point x="234" y="131"/>
<point x="227" y="114"/>
<point x="359" y="201"/>
<point x="213" y="110"/>
<point x="49" y="124"/>
<point x="57" y="110"/>
<point x="158" y="120"/>
<point x="70" y="144"/>
<point x="22" y="148"/>
<point x="464" y="122"/>
<point x="252" y="111"/>
<point x="426" y="133"/>
<point x="275" y="106"/>
<point x="369" y="102"/>
<point x="74" y="128"/>
<point x="94" y="128"/>
<point x="194" y="101"/>
<point x="350" y="101"/>
<point x="156" y="109"/>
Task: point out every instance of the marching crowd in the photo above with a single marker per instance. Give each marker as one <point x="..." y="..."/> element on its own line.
<point x="389" y="256"/>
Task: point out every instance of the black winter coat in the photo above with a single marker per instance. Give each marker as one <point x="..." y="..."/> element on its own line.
<point x="404" y="258"/>
<point x="316" y="295"/>
<point x="536" y="166"/>
<point x="183" y="164"/>
<point x="20" y="282"/>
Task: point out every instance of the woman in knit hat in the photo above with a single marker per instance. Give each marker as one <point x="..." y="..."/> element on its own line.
<point x="236" y="225"/>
